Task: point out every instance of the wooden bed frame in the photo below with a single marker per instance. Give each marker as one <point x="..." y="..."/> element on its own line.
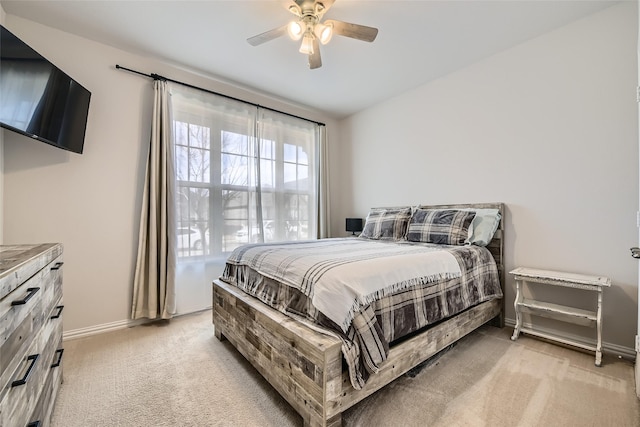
<point x="306" y="366"/>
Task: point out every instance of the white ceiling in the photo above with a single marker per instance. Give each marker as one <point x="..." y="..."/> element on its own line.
<point x="418" y="41"/>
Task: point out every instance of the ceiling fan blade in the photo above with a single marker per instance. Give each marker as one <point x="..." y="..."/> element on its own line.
<point x="315" y="61"/>
<point x="267" y="36"/>
<point x="355" y="31"/>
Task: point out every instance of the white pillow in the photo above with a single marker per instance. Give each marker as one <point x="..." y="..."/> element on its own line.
<point x="483" y="226"/>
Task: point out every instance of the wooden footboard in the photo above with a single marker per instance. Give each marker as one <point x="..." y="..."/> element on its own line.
<point x="305" y="366"/>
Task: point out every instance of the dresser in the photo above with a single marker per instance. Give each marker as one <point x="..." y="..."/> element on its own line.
<point x="30" y="333"/>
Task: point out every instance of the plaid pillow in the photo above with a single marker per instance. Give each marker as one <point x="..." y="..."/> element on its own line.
<point x="441" y="226"/>
<point x="386" y="224"/>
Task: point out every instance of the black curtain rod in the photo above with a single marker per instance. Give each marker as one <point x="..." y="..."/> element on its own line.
<point x="159" y="77"/>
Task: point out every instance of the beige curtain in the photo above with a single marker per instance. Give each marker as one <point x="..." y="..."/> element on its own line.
<point x="154" y="282"/>
<point x="323" y="184"/>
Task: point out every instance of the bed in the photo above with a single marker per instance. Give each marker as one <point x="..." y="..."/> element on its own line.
<point x="309" y="356"/>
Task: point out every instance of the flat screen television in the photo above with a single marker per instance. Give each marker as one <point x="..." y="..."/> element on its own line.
<point x="38" y="99"/>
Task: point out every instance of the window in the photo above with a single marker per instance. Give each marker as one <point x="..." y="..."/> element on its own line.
<point x="244" y="174"/>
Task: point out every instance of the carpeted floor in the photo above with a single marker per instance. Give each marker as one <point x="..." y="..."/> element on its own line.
<point x="178" y="374"/>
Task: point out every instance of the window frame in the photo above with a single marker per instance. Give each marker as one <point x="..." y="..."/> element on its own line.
<point x="216" y="221"/>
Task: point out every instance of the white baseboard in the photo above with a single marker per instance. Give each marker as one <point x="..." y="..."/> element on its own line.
<point x="625" y="352"/>
<point x="113" y="326"/>
<point x="101" y="329"/>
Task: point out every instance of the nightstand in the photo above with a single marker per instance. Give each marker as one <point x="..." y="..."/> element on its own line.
<point x="557" y="311"/>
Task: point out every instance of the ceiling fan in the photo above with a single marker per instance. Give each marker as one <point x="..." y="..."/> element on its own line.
<point x="312" y="31"/>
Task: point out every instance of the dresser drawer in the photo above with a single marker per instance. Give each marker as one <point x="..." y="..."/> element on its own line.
<point x="42" y="412"/>
<point x="20" y="396"/>
<point x="24" y="312"/>
<point x="20" y="262"/>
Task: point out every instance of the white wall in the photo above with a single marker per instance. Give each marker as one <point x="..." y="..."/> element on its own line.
<point x="91" y="202"/>
<point x="550" y="128"/>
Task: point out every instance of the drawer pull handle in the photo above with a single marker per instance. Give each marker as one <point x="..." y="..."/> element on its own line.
<point x="23" y="380"/>
<point x="30" y="293"/>
<point x="59" y="308"/>
<point x="34" y="424"/>
<point x="59" y="352"/>
<point x="57" y="266"/>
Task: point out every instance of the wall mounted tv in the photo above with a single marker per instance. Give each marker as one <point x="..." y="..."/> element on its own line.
<point x="38" y="99"/>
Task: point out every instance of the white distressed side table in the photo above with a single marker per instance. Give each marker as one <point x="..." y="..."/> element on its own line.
<point x="556" y="311"/>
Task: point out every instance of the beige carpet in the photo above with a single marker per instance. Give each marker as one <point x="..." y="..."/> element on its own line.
<point x="179" y="374"/>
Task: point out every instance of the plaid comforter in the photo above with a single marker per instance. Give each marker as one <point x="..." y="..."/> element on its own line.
<point x="413" y="298"/>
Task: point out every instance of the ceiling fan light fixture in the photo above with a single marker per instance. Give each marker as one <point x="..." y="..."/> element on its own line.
<point x="311" y="31"/>
<point x="307" y="44"/>
<point x="295" y="29"/>
<point x="324" y="32"/>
